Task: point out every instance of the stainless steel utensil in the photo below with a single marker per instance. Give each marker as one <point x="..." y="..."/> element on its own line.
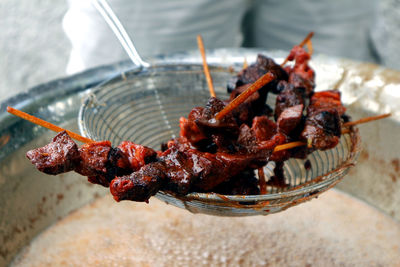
<point x="145" y="105"/>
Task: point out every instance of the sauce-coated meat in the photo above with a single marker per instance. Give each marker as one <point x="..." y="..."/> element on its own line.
<point x="56" y="157"/>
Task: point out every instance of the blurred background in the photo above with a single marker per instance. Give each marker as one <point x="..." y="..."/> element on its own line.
<point x="34" y="47"/>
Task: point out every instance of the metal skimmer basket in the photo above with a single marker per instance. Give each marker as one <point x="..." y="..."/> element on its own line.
<point x="145" y="105"/>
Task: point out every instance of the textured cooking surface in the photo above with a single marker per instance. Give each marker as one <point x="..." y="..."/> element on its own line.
<point x="335" y="230"/>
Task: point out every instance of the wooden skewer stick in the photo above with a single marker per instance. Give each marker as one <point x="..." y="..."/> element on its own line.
<point x="263" y="80"/>
<point x="367" y="119"/>
<point x="289" y="146"/>
<point x="308" y="37"/>
<point x="245" y="63"/>
<point x="261" y="181"/>
<point x="310" y="47"/>
<point x="46" y="124"/>
<point x="205" y="66"/>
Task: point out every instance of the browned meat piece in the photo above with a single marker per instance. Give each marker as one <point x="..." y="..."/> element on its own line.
<point x="244" y="183"/>
<point x="288" y="97"/>
<point x="252" y="73"/>
<point x="301" y="75"/>
<point x="253" y="106"/>
<point x="94" y="162"/>
<point x="290" y="119"/>
<point x="246" y="139"/>
<point x="213" y="169"/>
<point x="322" y="128"/>
<point x="137" y="155"/>
<point x="94" y="157"/>
<point x="180" y="169"/>
<point x="299" y="82"/>
<point x="323" y="123"/>
<point x="204" y="132"/>
<point x="191" y="131"/>
<point x="59" y="156"/>
<point x="249" y="108"/>
<point x="326" y="100"/>
<point x="204" y="119"/>
<point x="283" y="154"/>
<point x="140" y="185"/>
<point x="264" y="129"/>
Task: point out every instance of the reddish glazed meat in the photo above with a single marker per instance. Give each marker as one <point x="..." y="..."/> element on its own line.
<point x="326" y="100"/>
<point x="323" y="123"/>
<point x="253" y="72"/>
<point x="93" y="162"/>
<point x="57" y="157"/>
<point x="288" y="97"/>
<point x="244" y="183"/>
<point x="181" y="169"/>
<point x="301" y="75"/>
<point x="137" y="155"/>
<point x="300" y="67"/>
<point x="264" y="128"/>
<point x="290" y="119"/>
<point x="299" y="82"/>
<point x="139" y="185"/>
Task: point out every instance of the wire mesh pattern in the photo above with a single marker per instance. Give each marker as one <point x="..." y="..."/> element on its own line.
<point x="144" y="106"/>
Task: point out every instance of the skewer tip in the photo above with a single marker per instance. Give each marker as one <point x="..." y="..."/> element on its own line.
<point x="9" y="109"/>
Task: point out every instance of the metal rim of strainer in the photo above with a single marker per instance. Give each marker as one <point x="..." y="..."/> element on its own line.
<point x="304" y="191"/>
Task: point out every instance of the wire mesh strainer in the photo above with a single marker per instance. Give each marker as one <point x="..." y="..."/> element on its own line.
<point x="144" y="106"/>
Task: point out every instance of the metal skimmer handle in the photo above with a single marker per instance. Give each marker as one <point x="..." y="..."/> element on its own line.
<point x="112" y="20"/>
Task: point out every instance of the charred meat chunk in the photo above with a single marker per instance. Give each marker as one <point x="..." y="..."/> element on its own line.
<point x="307" y="85"/>
<point x="245" y="183"/>
<point x="301" y="75"/>
<point x="140" y="185"/>
<point x="323" y="124"/>
<point x="289" y="96"/>
<point x="300" y="67"/>
<point x="57" y="157"/>
<point x="179" y="170"/>
<point x="94" y="162"/>
<point x="137" y="155"/>
<point x="322" y="129"/>
<point x="290" y="119"/>
<point x="201" y="122"/>
<point x="264" y="128"/>
<point x="254" y="105"/>
<point x="252" y="73"/>
<point x="326" y="100"/>
<point x="204" y="132"/>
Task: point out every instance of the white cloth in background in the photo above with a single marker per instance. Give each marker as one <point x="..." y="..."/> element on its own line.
<point x="158" y="26"/>
<point x="342" y="27"/>
<point x="386" y="34"/>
